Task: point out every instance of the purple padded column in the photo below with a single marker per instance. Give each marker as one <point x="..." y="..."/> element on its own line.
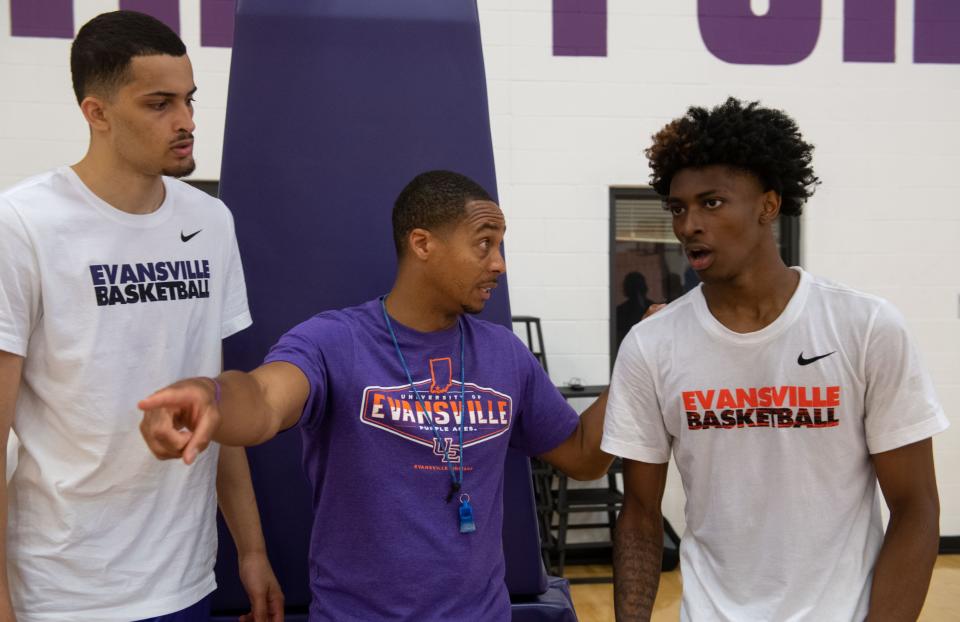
<point x="579" y="27"/>
<point x="869" y="31"/>
<point x="936" y="33"/>
<point x="787" y="34"/>
<point x="333" y="107"/>
<point x="41" y="18"/>
<point x="167" y="11"/>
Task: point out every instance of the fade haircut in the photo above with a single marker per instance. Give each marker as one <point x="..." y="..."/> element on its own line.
<point x="101" y="54"/>
<point x="432" y="200"/>
<point x="762" y="141"/>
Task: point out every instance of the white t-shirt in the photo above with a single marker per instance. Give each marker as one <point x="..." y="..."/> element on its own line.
<point x="772" y="433"/>
<point x="107" y="307"/>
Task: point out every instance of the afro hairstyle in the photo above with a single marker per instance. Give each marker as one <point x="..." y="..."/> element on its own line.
<point x="748" y="137"/>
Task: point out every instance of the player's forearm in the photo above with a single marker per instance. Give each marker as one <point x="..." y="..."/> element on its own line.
<point x="6" y="607"/>
<point x="11" y="367"/>
<point x="637" y="560"/>
<point x="246" y="416"/>
<point x="238" y="503"/>
<point x="239" y="506"/>
<point x="902" y="573"/>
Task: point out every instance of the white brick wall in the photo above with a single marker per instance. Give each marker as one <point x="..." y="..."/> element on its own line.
<point x="40" y="124"/>
<point x="883" y="220"/>
<point x="566" y="129"/>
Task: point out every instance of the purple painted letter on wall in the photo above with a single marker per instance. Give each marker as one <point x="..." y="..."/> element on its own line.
<point x="41" y="18"/>
<point x="786" y="34"/>
<point x="216" y="23"/>
<point x="869" y="31"/>
<point x="167" y="11"/>
<point x="936" y="31"/>
<point x="579" y="27"/>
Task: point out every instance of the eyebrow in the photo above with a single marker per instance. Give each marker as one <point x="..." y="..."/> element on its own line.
<point x="491" y="225"/>
<point x="700" y="195"/>
<point x="169" y="93"/>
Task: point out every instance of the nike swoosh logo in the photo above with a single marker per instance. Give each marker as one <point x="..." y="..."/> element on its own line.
<point x="187" y="238"/>
<point x="803" y="361"/>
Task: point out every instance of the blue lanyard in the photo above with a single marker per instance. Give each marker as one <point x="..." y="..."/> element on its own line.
<point x="455" y="481"/>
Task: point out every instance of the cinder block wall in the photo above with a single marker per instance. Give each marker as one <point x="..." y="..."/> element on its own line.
<point x="565" y="129"/>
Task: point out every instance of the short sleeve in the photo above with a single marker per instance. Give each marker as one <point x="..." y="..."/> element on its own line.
<point x="900" y="405"/>
<point x="544" y="419"/>
<point x="634" y="427"/>
<point x="236" y="313"/>
<point x="316" y="347"/>
<point x="19" y="283"/>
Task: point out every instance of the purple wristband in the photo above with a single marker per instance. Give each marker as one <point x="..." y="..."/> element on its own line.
<point x="216" y="390"/>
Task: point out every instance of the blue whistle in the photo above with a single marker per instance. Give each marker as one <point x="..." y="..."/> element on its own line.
<point x="467" y="525"/>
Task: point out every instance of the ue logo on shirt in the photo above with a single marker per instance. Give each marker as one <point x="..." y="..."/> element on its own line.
<point x="486" y="413"/>
<point x="450" y="452"/>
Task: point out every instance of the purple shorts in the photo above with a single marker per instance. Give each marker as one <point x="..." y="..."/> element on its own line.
<point x="199" y="612"/>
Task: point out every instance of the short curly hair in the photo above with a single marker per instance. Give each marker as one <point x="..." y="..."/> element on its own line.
<point x="761" y="141"/>
<point x="432" y="199"/>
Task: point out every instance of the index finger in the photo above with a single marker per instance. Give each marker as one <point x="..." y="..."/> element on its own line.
<point x="171" y="397"/>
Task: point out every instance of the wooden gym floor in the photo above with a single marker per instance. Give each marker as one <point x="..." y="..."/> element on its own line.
<point x="594" y="602"/>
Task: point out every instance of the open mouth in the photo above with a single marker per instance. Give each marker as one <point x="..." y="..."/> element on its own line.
<point x="699" y="258"/>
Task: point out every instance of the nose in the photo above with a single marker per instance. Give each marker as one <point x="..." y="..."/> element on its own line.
<point x="688" y="224"/>
<point x="184" y="120"/>
<point x="498" y="264"/>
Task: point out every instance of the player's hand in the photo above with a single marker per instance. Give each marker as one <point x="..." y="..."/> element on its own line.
<point x="653" y="309"/>
<point x="263" y="590"/>
<point x="180" y="420"/>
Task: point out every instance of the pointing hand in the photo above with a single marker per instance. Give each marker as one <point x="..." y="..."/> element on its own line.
<point x="180" y="420"/>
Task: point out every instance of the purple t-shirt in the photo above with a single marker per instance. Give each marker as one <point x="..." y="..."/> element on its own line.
<point x="385" y="544"/>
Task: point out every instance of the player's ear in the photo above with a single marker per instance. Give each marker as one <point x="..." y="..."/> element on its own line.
<point x="770" y="202"/>
<point x="94" y="111"/>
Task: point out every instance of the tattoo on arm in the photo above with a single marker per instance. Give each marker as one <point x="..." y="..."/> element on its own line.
<point x="637" y="559"/>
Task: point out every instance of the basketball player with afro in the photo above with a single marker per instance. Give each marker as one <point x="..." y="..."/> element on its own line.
<point x="784" y="398"/>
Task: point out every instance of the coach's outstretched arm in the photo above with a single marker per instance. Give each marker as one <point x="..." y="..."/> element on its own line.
<point x="247" y="409"/>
